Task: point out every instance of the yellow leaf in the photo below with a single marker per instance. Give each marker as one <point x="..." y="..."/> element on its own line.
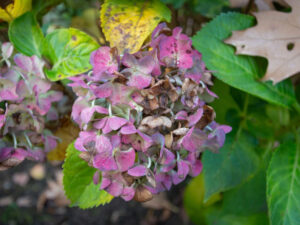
<point x="10" y="9"/>
<point x="67" y="133"/>
<point x="127" y="23"/>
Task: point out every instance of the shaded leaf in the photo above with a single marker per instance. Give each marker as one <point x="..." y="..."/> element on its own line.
<point x="26" y="35"/>
<point x="127" y="23"/>
<point x="234" y="164"/>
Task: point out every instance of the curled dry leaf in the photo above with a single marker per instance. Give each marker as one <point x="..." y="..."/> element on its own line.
<point x="154" y="122"/>
<point x="275" y="37"/>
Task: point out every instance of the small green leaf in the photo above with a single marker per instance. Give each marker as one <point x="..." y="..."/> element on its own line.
<point x="241" y="72"/>
<point x="209" y="8"/>
<point x="234" y="164"/>
<point x="69" y="53"/>
<point x="26" y="35"/>
<point x="78" y="182"/>
<point x="283" y="184"/>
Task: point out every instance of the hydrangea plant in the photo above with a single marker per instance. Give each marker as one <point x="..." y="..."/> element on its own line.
<point x="26" y="107"/>
<point x="144" y="117"/>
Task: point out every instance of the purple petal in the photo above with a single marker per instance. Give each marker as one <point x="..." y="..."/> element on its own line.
<point x="128" y="193"/>
<point x="125" y="159"/>
<point x="128" y="129"/>
<point x="24" y="62"/>
<point x="105" y="161"/>
<point x="116" y="122"/>
<point x="102" y="60"/>
<point x="105" y="182"/>
<point x="182" y="169"/>
<point x="102" y="91"/>
<point x="196" y="168"/>
<point x="139" y="80"/>
<point x="138" y="171"/>
<point x="193" y="119"/>
<point x="181" y="115"/>
<point x="115" y="189"/>
<point x="103" y="144"/>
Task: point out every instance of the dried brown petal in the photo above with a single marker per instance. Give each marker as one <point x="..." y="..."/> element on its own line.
<point x="88" y="157"/>
<point x="129" y="179"/>
<point x="169" y="140"/>
<point x="181" y="131"/>
<point x="9" y="163"/>
<point x="142" y="194"/>
<point x="208" y="116"/>
<point x="154" y="122"/>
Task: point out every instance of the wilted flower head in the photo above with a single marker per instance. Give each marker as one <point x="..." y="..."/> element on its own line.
<point x="144" y="116"/>
<point x="25" y="102"/>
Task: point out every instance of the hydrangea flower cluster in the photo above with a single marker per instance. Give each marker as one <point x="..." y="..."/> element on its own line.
<point x="143" y="117"/>
<point x="25" y="107"/>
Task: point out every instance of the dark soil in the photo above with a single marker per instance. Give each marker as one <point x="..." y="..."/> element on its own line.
<point x="118" y="212"/>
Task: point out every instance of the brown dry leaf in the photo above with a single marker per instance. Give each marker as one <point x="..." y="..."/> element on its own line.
<point x="67" y="133"/>
<point x="276" y="37"/>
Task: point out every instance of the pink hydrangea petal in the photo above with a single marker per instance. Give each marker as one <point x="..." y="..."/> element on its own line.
<point x="193" y="119"/>
<point x="128" y="129"/>
<point x="116" y="122"/>
<point x="96" y="177"/>
<point x="102" y="60"/>
<point x="128" y="193"/>
<point x="115" y="188"/>
<point x="168" y="157"/>
<point x="192" y="140"/>
<point x="105" y="182"/>
<point x="24" y="62"/>
<point x="138" y="171"/>
<point x="103" y="144"/>
<point x="196" y="168"/>
<point x="139" y="80"/>
<point x="84" y="138"/>
<point x="125" y="159"/>
<point x="181" y="115"/>
<point x="103" y="90"/>
<point x="100" y="124"/>
<point x="105" y="161"/>
<point x="115" y="141"/>
<point x="182" y="169"/>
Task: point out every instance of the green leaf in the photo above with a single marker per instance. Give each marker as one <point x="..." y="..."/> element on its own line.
<point x="234" y="164"/>
<point x="283" y="184"/>
<point x="127" y="23"/>
<point x="68" y="50"/>
<point x="223" y="90"/>
<point x="26" y="35"/>
<point x="256" y="219"/>
<point x="239" y="71"/>
<point x="209" y="8"/>
<point x="78" y="182"/>
<point x="249" y="197"/>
